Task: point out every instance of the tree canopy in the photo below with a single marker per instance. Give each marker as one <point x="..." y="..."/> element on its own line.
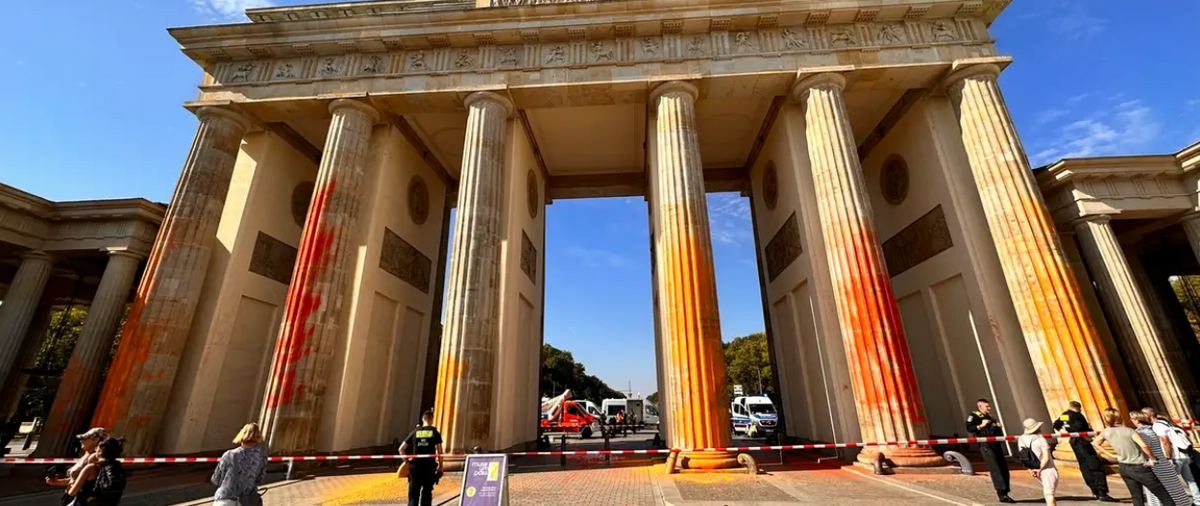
<point x="748" y="363"/>
<point x="560" y="371"/>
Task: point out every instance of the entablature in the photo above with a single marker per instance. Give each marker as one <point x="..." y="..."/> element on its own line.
<point x="1122" y="187"/>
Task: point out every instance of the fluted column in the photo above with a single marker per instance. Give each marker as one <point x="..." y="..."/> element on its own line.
<point x="881" y="372"/>
<point x="1063" y="343"/>
<point x="80" y="384"/>
<point x="20" y="303"/>
<point x="1140" y="339"/>
<point x="463" y="405"/>
<point x="313" y="318"/>
<point x="10" y="392"/>
<point x="687" y="289"/>
<point x="1191" y="227"/>
<point x="142" y="374"/>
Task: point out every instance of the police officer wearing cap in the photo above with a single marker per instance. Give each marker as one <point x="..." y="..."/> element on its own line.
<point x="981" y="424"/>
<point x="423" y="472"/>
<point x="1090" y="466"/>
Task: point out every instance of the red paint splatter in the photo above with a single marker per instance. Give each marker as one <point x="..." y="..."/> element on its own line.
<point x="303" y="302"/>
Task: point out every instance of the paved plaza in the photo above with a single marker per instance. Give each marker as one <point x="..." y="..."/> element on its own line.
<point x="585" y="482"/>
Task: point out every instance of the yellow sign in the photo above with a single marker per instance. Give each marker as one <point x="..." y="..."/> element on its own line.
<point x="470" y="491"/>
<point x="425" y="433"/>
<point x="493" y="471"/>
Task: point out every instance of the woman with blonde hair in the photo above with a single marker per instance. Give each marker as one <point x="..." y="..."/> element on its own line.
<point x="1131" y="457"/>
<point x="240" y="470"/>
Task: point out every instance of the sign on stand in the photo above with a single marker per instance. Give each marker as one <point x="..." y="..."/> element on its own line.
<point x="485" y="481"/>
<point x="737" y="390"/>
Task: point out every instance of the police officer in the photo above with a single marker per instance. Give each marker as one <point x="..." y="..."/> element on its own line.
<point x="423" y="472"/>
<point x="1072" y="420"/>
<point x="981" y="424"/>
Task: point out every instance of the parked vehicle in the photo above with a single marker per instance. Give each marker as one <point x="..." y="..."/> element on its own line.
<point x="561" y="414"/>
<point x="754" y="416"/>
<point x="634" y="411"/>
<point x="590" y="407"/>
<point x="650" y="416"/>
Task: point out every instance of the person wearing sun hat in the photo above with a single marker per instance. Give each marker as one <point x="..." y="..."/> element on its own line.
<point x="1045" y="471"/>
<point x="90" y="443"/>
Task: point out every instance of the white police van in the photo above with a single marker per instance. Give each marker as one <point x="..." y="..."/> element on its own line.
<point x="754" y="416"/>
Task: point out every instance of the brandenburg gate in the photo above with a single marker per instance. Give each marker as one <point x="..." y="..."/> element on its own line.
<point x="908" y="264"/>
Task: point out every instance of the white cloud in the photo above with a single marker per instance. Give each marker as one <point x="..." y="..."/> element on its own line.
<point x="1192" y="104"/>
<point x="228" y="10"/>
<point x="1049" y="115"/>
<point x="729" y="219"/>
<point x="595" y="258"/>
<point x="1077" y="25"/>
<point x="1123" y="129"/>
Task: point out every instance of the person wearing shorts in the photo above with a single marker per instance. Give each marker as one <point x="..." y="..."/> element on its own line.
<point x="1046" y="472"/>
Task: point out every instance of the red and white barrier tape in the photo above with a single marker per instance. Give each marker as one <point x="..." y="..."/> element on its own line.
<point x="814" y="446"/>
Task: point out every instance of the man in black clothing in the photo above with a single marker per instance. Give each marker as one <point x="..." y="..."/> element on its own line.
<point x="423" y="472"/>
<point x="981" y="424"/>
<point x="1090" y="466"/>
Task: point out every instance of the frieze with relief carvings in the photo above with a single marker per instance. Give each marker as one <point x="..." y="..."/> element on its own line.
<point x="919" y="241"/>
<point x="629" y="50"/>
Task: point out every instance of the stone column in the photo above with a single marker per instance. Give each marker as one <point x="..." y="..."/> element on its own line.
<point x="14" y="386"/>
<point x="881" y="373"/>
<point x="20" y="303"/>
<point x="1140" y="339"/>
<point x="80" y="384"/>
<point x="1191" y="227"/>
<point x="687" y="286"/>
<point x="463" y="405"/>
<point x="313" y="319"/>
<point x="1063" y="343"/>
<point x="140" y="378"/>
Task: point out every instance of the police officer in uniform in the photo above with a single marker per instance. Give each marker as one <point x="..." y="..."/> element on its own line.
<point x="981" y="424"/>
<point x="1072" y="420"/>
<point x="423" y="472"/>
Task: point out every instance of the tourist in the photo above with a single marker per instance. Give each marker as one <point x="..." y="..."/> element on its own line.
<point x="1090" y="466"/>
<point x="1158" y="458"/>
<point x="423" y="472"/>
<point x="1131" y="457"/>
<point x="981" y="424"/>
<point x="240" y="470"/>
<point x="1180" y="449"/>
<point x="1045" y="471"/>
<point x="90" y="443"/>
<point x="102" y="482"/>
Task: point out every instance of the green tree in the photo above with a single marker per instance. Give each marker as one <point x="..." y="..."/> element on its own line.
<point x="560" y="371"/>
<point x="52" y="357"/>
<point x="1187" y="290"/>
<point x="748" y="363"/>
<point x="653" y="398"/>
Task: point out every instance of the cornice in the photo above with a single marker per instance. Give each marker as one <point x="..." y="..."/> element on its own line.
<point x="141" y="209"/>
<point x="321" y="31"/>
<point x="14" y="198"/>
<point x="1189" y="157"/>
<point x="1077" y="169"/>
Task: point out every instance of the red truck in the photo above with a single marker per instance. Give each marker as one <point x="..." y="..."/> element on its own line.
<point x="561" y="414"/>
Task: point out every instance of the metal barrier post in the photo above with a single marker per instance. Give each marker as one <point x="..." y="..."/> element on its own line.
<point x="291" y="471"/>
<point x="607" y="447"/>
<point x="563" y="458"/>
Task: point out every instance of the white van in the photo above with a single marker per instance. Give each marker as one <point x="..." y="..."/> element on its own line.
<point x="590" y="407"/>
<point x="651" y="414"/>
<point x="754" y="416"/>
<point x="634" y="410"/>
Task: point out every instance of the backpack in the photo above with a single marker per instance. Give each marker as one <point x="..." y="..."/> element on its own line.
<point x="110" y="485"/>
<point x="1026" y="456"/>
<point x="1177" y="437"/>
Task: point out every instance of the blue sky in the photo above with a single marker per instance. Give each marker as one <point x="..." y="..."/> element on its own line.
<point x="93" y="111"/>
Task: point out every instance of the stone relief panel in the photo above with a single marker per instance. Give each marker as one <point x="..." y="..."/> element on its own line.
<point x="529" y="257"/>
<point x="405" y="261"/>
<point x="418" y="200"/>
<point x="783" y="249"/>
<point x="918" y="242"/>
<point x="273" y="259"/>
<point x="625" y="49"/>
<point x="533" y="196"/>
<point x="301" y="199"/>
<point x="893" y="180"/>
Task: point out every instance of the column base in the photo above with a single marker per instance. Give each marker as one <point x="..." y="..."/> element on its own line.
<point x="707" y="460"/>
<point x="453" y="464"/>
<point x="903" y="457"/>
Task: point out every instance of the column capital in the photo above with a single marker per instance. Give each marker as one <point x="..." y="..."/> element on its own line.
<point x="212" y="111"/>
<point x="674" y="87"/>
<point x="1102" y="219"/>
<point x="36" y="254"/>
<point x="491" y="96"/>
<point x="960" y="74"/>
<point x="124" y="253"/>
<point x="805" y="82"/>
<point x="363" y="107"/>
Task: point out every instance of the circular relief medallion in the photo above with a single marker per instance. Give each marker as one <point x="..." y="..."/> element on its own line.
<point x="301" y="198"/>
<point x="531" y="191"/>
<point x="770" y="184"/>
<point x="893" y="180"/>
<point x="418" y="200"/>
